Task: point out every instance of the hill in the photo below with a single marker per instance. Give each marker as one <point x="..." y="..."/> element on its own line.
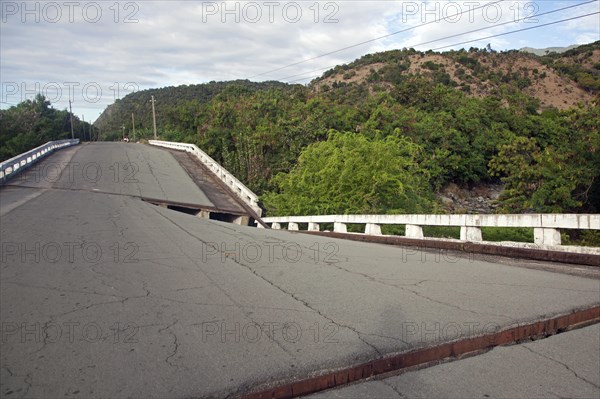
<point x="34" y="122"/>
<point x="175" y="106"/>
<point x="559" y="81"/>
<point x="547" y="50"/>
<point x="527" y="123"/>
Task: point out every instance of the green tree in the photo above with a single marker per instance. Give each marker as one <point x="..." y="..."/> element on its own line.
<point x="32" y="123"/>
<point x="350" y="173"/>
<point x="562" y="176"/>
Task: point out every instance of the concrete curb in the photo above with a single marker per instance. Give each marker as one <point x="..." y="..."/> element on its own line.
<point x="471" y="247"/>
<point x="432" y="355"/>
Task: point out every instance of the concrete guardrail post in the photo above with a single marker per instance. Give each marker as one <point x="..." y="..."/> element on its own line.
<point x="339" y="227"/>
<point x="313" y="226"/>
<point x="373" y="229"/>
<point x="543" y="236"/>
<point x="470" y="233"/>
<point x="414" y="231"/>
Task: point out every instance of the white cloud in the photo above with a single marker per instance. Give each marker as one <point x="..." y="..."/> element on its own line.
<point x="163" y="43"/>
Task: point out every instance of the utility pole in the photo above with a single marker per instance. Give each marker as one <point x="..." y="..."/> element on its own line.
<point x="83" y="127"/>
<point x="153" y="116"/>
<point x="123" y="132"/>
<point x="71" y="113"/>
<point x="133" y="122"/>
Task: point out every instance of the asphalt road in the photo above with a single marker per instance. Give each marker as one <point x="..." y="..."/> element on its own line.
<point x="564" y="366"/>
<point x="115" y="168"/>
<point x="104" y="295"/>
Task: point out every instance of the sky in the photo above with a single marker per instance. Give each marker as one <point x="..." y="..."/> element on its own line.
<point x="94" y="52"/>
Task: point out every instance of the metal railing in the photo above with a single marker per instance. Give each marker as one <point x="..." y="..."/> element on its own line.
<point x="545" y="226"/>
<point x="14" y="165"/>
<point x="243" y="192"/>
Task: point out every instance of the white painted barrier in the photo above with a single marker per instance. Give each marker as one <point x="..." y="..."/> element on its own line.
<point x="12" y="166"/>
<point x="545" y="226"/>
<point x="226" y="177"/>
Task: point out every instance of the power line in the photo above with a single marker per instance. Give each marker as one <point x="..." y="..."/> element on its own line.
<point x="301" y="79"/>
<point x="375" y="39"/>
<point x="71" y="117"/>
<point x="477" y="30"/>
<point x="520" y="30"/>
<point x="153" y="116"/>
<point x="304" y="73"/>
<point x="505" y="23"/>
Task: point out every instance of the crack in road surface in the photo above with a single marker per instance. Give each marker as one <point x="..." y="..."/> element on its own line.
<point x="562" y="364"/>
<point x="359" y="334"/>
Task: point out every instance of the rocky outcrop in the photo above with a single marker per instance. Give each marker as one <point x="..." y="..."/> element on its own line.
<point x="477" y="199"/>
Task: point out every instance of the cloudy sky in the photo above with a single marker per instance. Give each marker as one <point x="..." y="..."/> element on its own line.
<point x="96" y="51"/>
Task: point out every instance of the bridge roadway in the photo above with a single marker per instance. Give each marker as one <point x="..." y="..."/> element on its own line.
<point x="564" y="366"/>
<point x="104" y="295"/>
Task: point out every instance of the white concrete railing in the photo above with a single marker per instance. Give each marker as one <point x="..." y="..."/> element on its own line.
<point x="226" y="177"/>
<point x="12" y="166"/>
<point x="545" y="226"/>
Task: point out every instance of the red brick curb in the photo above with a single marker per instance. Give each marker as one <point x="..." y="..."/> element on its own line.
<point x="471" y="247"/>
<point x="437" y="353"/>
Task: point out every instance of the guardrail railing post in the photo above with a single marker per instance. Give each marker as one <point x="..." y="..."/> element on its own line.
<point x="293" y="226"/>
<point x="414" y="231"/>
<point x="339" y="227"/>
<point x="470" y="233"/>
<point x="373" y="229"/>
<point x="545" y="236"/>
<point x="313" y="226"/>
<point x="276" y="226"/>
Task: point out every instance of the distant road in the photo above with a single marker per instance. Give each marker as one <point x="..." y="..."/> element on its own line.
<point x="115" y="168"/>
<point x="105" y="295"/>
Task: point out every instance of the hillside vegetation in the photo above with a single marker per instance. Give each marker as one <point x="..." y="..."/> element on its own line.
<point x="33" y="123"/>
<point x="561" y="81"/>
<point x="386" y="132"/>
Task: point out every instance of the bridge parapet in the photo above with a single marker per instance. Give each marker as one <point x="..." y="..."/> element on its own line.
<point x="12" y="166"/>
<point x="545" y="226"/>
<point x="243" y="192"/>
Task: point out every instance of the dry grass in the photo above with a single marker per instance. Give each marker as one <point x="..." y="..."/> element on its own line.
<point x="551" y="89"/>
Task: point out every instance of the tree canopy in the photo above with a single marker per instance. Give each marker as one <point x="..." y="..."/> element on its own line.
<point x="32" y="123"/>
<point x="350" y="173"/>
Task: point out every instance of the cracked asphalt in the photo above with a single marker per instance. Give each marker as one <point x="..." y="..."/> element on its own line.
<point x="564" y="366"/>
<point x="114" y="168"/>
<point x="104" y="295"/>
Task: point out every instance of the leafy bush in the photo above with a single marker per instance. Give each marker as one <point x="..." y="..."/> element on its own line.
<point x="349" y="173"/>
